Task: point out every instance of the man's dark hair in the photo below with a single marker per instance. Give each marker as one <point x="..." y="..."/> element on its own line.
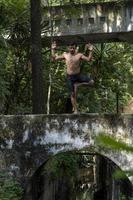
<point x="73" y="44"/>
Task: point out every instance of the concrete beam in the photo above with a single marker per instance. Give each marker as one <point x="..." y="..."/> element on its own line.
<point x="93" y="38"/>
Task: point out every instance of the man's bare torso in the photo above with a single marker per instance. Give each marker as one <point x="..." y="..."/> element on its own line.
<point x="72" y="63"/>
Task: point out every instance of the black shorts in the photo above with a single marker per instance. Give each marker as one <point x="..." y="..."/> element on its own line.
<point x="76" y="78"/>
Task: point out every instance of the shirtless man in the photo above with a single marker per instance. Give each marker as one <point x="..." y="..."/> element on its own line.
<point x="72" y="59"/>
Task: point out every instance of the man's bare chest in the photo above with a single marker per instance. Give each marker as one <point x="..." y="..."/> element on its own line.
<point x="73" y="59"/>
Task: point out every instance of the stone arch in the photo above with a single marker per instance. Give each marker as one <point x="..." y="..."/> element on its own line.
<point x="122" y="159"/>
<point x="35" y="176"/>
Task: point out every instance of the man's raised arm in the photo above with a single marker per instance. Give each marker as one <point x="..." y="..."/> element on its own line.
<point x="89" y="57"/>
<point x="53" y="54"/>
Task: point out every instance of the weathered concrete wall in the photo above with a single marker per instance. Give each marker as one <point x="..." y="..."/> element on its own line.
<point x="26" y="142"/>
<point x="83" y="20"/>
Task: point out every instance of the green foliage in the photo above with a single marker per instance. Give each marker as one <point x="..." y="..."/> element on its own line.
<point x="118" y="174"/>
<point x="9" y="188"/>
<point x="63" y="164"/>
<point x="110" y="78"/>
<point x="15" y="75"/>
<point x="4" y="90"/>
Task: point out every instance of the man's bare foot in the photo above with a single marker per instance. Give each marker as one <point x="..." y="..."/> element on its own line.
<point x="75" y="112"/>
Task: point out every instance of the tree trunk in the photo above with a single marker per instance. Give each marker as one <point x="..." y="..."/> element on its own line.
<point x="37" y="71"/>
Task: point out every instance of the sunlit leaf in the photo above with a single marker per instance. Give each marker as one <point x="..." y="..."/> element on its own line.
<point x="111" y="143"/>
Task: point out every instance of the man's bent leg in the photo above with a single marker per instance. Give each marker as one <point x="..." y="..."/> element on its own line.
<point x="76" y="85"/>
<point x="90" y="83"/>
